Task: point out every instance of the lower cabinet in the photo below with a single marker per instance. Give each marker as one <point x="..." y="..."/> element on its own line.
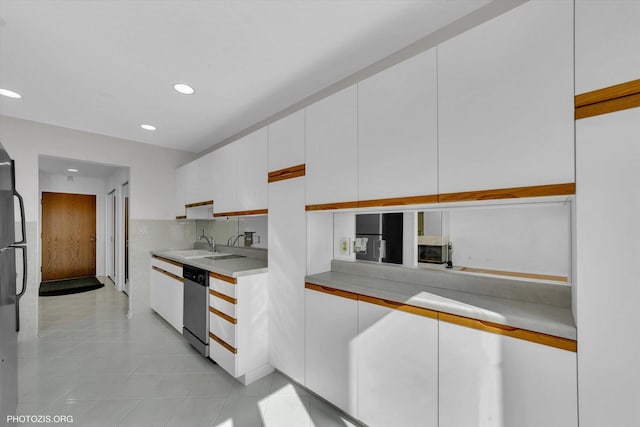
<point x="397" y="367"/>
<point x="387" y="364"/>
<point x="490" y="380"/>
<point x="331" y="329"/>
<point x="238" y="325"/>
<point x="166" y="291"/>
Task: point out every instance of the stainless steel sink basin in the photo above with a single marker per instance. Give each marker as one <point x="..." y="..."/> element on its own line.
<point x="225" y="256"/>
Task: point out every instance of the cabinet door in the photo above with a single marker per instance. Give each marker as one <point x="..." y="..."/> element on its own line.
<point x="251" y="157"/>
<point x="225" y="170"/>
<point x="331" y="353"/>
<point x="506" y="101"/>
<point x="287" y="266"/>
<point x="332" y="149"/>
<point x="489" y="380"/>
<point x="607" y="40"/>
<point x="398" y="130"/>
<point x="397" y="367"/>
<point x="286" y="141"/>
<point x="607" y="212"/>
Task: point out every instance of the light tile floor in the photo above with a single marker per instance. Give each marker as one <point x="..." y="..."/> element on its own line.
<point x="94" y="364"/>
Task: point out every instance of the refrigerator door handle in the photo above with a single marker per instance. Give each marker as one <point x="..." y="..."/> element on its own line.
<point x="24" y="283"/>
<point x="22" y="219"/>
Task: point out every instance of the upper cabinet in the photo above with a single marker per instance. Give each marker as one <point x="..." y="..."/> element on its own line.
<point x="225" y="165"/>
<point x="286" y="142"/>
<point x="332" y="148"/>
<point x="398" y="130"/>
<point x="505" y="93"/>
<point x="251" y="159"/>
<point x="607" y="40"/>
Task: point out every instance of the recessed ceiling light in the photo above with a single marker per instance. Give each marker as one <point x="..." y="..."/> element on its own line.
<point x="10" y="94"/>
<point x="148" y="127"/>
<point x="72" y="170"/>
<point x="183" y="88"/>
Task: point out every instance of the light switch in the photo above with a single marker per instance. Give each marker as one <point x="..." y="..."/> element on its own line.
<point x="345" y="246"/>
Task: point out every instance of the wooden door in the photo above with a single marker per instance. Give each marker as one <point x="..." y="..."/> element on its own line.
<point x="68" y="235"/>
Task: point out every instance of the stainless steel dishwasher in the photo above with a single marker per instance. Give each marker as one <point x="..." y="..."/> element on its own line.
<point x="196" y="308"/>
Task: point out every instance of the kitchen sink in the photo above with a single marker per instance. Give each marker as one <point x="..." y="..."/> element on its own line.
<point x="194" y="253"/>
<point x="225" y="256"/>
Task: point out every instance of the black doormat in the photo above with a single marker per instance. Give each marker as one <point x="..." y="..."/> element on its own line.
<point x="69" y="286"/>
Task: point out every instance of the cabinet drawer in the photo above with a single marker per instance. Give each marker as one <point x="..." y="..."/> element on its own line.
<point x="223" y="356"/>
<point x="223" y="329"/>
<point x="172" y="267"/>
<point x="223" y="287"/>
<point x="222" y="303"/>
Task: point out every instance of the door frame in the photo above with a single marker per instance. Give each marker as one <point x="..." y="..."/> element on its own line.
<point x="125" y="210"/>
<point x="111" y="238"/>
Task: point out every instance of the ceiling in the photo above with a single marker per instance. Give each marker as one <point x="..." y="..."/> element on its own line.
<point x="108" y="66"/>
<point x="58" y="166"/>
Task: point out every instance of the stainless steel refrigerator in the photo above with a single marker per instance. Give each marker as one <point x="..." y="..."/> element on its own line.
<point x="10" y="293"/>
<point x="379" y="237"/>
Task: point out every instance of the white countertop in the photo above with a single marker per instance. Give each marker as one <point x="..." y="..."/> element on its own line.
<point x="234" y="267"/>
<point x="543" y="318"/>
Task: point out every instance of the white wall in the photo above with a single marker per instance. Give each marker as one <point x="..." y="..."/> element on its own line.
<point x="528" y="239"/>
<point x="152" y="178"/>
<point x="83" y="185"/>
<point x="152" y="168"/>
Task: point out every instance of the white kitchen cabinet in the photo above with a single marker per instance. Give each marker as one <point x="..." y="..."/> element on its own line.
<point x="226" y="183"/>
<point x="166" y="291"/>
<point x="607" y="41"/>
<point x="506" y="101"/>
<point x="398" y="130"/>
<point x="331" y="328"/>
<point x="332" y="148"/>
<point x="397" y="367"/>
<point x="287" y="231"/>
<point x="491" y="380"/>
<point x="607" y="212"/>
<point x="286" y="141"/>
<point x="239" y="344"/>
<point x="251" y="172"/>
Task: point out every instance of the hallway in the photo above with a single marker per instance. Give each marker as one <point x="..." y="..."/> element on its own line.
<point x="92" y="363"/>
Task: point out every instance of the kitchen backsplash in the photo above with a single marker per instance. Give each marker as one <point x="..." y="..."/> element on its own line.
<point x="223" y="228"/>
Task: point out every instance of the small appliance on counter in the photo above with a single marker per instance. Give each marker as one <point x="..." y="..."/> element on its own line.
<point x="379" y="237"/>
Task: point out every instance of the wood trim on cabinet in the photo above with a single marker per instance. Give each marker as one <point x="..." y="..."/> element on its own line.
<point x="165" y="272"/>
<point x="399" y="306"/>
<point x="566" y="189"/>
<point x="331" y="291"/>
<point x="399" y="201"/>
<point x="523" y="334"/>
<point x="224" y="297"/>
<point x="496" y="328"/>
<point x="242" y="213"/>
<point x="608" y="100"/>
<point x="331" y="206"/>
<point x="170" y="261"/>
<point x="223" y="343"/>
<point x="222" y="315"/>
<point x="196" y="204"/>
<point x="516" y="274"/>
<point x="227" y="279"/>
<point x="287" y="173"/>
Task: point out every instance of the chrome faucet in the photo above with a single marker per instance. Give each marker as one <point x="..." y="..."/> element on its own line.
<point x="210" y="241"/>
<point x="231" y="241"/>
